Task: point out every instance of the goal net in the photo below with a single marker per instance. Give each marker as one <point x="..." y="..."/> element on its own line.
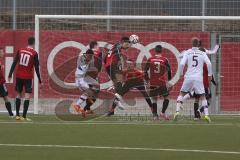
<point x="60" y="40"/>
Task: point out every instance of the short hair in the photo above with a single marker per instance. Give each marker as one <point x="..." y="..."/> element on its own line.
<point x="90" y="52"/>
<point x="195" y="42"/>
<point x="200" y="43"/>
<point x="158" y="48"/>
<point x="92" y="44"/>
<point x="31" y="41"/>
<point x="125" y="39"/>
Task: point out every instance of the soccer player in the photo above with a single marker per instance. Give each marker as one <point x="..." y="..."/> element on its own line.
<point x="93" y="72"/>
<point x="158" y="66"/>
<point x="87" y="85"/>
<point x="133" y="78"/>
<point x="26" y="59"/>
<point x="114" y="62"/>
<point x="206" y="84"/>
<point x="193" y="79"/>
<point x="3" y="88"/>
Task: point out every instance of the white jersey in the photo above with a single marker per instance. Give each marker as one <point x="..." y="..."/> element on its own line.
<point x="195" y="59"/>
<point x="82" y="67"/>
<point x="82" y="79"/>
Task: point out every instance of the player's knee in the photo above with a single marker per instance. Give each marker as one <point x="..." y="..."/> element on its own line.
<point x="196" y="100"/>
<point x="84" y="96"/>
<point x="204" y="103"/>
<point x="180" y="99"/>
<point x="19" y="95"/>
<point x="5" y="98"/>
<point x="154" y="100"/>
<point x="27" y="95"/>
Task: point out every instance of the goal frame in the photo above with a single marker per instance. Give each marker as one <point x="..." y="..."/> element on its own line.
<point x="109" y="17"/>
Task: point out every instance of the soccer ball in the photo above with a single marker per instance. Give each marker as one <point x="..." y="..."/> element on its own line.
<point x="134" y="39"/>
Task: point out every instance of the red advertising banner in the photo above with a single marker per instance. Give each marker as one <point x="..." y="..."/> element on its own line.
<point x="59" y="51"/>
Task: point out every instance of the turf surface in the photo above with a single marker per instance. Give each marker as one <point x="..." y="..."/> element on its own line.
<point x="71" y="137"/>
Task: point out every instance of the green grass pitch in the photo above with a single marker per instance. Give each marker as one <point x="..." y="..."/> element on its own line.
<point x="110" y="139"/>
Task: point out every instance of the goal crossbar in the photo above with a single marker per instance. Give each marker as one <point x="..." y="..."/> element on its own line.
<point x="129" y="17"/>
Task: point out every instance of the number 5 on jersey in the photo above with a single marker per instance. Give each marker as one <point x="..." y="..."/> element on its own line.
<point x="195" y="60"/>
<point x="24" y="59"/>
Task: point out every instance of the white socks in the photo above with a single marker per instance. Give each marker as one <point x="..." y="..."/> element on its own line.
<point x="179" y="103"/>
<point x="205" y="105"/>
<point x="81" y="99"/>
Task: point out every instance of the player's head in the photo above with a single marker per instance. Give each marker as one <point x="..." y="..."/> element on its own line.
<point x="31" y="41"/>
<point x="195" y="42"/>
<point x="158" y="49"/>
<point x="200" y="46"/>
<point x="125" y="42"/>
<point x="1" y="52"/>
<point x="93" y="45"/>
<point x="200" y="43"/>
<point x="89" y="54"/>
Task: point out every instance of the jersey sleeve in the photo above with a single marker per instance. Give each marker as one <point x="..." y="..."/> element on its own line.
<point x="36" y="65"/>
<point x="213" y="51"/>
<point x="169" y="70"/>
<point x="182" y="64"/>
<point x="181" y="54"/>
<point x="208" y="63"/>
<point x="15" y="61"/>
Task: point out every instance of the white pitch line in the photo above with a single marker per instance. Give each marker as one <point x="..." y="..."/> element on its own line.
<point x="121" y="148"/>
<point x="120" y="123"/>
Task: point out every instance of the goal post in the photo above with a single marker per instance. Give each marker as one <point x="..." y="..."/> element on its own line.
<point x="173" y="32"/>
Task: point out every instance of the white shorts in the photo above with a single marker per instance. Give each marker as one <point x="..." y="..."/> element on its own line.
<point x="193" y="85"/>
<point x="84" y="83"/>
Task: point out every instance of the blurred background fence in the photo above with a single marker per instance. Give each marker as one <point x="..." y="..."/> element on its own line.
<point x="19" y="14"/>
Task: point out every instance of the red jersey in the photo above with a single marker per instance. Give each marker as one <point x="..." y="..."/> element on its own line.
<point x="113" y="56"/>
<point x="26" y="63"/>
<point x="157" y="66"/>
<point x="97" y="59"/>
<point x="2" y="78"/>
<point x="134" y="74"/>
<point x="95" y="68"/>
<point x="205" y="76"/>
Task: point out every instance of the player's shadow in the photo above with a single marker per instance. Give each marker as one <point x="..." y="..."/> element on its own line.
<point x="65" y="112"/>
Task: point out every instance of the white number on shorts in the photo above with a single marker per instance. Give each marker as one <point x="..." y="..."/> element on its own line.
<point x="157" y="67"/>
<point x="24" y="59"/>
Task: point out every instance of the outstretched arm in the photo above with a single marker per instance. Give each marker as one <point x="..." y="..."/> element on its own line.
<point x="169" y="71"/>
<point x="213" y="51"/>
<point x="209" y="65"/>
<point x="36" y="65"/>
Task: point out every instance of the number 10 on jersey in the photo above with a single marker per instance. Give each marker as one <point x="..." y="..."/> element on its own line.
<point x="24" y="59"/>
